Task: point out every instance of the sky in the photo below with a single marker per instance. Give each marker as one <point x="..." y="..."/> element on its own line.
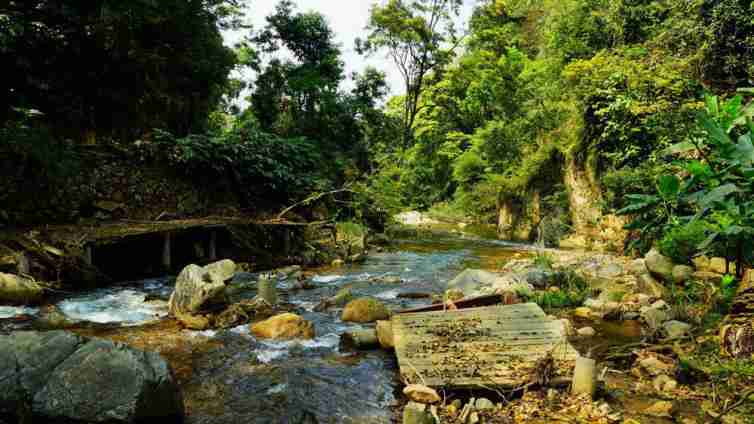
<point x="348" y="19"/>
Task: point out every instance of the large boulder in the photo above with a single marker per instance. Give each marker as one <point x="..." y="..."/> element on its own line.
<point x="197" y="288"/>
<point x="659" y="266"/>
<point x="60" y="377"/>
<point x="284" y="327"/>
<point x="474" y="282"/>
<point x="18" y="290"/>
<point x="365" y="310"/>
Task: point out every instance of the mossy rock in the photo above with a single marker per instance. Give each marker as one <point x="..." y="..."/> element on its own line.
<point x="365" y="310"/>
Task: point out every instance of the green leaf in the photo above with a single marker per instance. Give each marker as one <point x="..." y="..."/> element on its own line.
<point x="708" y="242"/>
<point x="712" y="105"/>
<point x="717" y="195"/>
<point x="745" y="149"/>
<point x="677" y="148"/>
<point x="715" y="132"/>
<point x="669" y="186"/>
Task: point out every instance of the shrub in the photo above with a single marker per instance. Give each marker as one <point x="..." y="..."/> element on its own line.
<point x="681" y="242"/>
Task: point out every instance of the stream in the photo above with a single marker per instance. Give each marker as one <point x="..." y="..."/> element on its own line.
<point x="229" y="376"/>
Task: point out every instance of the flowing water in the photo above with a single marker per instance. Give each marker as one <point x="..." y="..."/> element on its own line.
<point x="231" y="377"/>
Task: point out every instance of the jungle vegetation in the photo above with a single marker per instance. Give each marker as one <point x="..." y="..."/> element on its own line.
<point x="650" y="93"/>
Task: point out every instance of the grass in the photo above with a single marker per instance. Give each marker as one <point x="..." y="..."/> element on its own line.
<point x="544" y="260"/>
<point x="573" y="291"/>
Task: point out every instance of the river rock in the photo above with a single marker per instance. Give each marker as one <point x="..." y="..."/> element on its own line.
<point x="586" y="332"/>
<point x="655" y="367"/>
<point x="365" y="310"/>
<point x="659" y="265"/>
<point x="385" y="334"/>
<point x="663" y="383"/>
<point x="421" y="394"/>
<point x="475" y="282"/>
<point x="540" y="278"/>
<point x="682" y="273"/>
<point x="337" y="263"/>
<point x="701" y="263"/>
<point x="196" y="322"/>
<point x="653" y="317"/>
<point x="221" y="271"/>
<point x="18" y="290"/>
<point x="197" y="288"/>
<point x="676" y="329"/>
<point x="60" y="377"/>
<point x="662" y="409"/>
<point x="649" y="286"/>
<point x="718" y="265"/>
<point x="610" y="271"/>
<point x="484" y="403"/>
<point x="417" y="413"/>
<point x="284" y="327"/>
<point x="638" y="267"/>
<point x="235" y="315"/>
<point x="708" y="277"/>
<point x="583" y="312"/>
<point x="287" y="272"/>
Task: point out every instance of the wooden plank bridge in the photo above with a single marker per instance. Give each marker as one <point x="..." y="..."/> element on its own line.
<point x="488" y="347"/>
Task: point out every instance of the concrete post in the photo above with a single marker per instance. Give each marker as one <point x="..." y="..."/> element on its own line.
<point x="267" y="289"/>
<point x="213" y="245"/>
<point x="89" y="254"/>
<point x="167" y="257"/>
<point x="585" y="376"/>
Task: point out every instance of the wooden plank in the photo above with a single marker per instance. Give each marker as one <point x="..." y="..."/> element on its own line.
<point x="473" y="302"/>
<point x="493" y="346"/>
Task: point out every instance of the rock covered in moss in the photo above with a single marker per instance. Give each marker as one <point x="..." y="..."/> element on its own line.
<point x="365" y="310"/>
<point x="18" y="290"/>
<point x="659" y="265"/>
<point x="198" y="288"/>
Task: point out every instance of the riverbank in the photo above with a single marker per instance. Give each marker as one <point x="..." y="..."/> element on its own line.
<point x="232" y="375"/>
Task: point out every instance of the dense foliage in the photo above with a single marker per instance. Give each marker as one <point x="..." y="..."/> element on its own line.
<point x="708" y="203"/>
<point x="109" y="68"/>
<point x="488" y="114"/>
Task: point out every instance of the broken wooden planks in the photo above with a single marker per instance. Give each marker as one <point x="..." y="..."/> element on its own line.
<point x="472" y="302"/>
<point x="489" y="347"/>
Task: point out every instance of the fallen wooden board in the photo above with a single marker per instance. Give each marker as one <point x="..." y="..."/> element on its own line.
<point x="494" y="346"/>
<point x="473" y="302"/>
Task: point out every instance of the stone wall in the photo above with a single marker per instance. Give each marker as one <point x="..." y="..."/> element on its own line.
<point x="105" y="185"/>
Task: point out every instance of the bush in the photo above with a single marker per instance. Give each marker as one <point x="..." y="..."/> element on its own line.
<point x="681" y="243"/>
<point x="260" y="164"/>
<point x="628" y="180"/>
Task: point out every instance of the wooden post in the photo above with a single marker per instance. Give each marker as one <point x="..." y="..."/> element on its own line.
<point x="167" y="262"/>
<point x="286" y="241"/>
<point x="213" y="245"/>
<point x="89" y="254"/>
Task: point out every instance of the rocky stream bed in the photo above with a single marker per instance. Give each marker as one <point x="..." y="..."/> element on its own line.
<point x="231" y="376"/>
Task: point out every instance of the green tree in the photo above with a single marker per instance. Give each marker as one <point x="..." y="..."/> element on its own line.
<point x="113" y="68"/>
<point x="420" y="38"/>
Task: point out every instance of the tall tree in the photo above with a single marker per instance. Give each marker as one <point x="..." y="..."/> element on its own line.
<point x="116" y="68"/>
<point x="420" y="37"/>
<point x="307" y="85"/>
